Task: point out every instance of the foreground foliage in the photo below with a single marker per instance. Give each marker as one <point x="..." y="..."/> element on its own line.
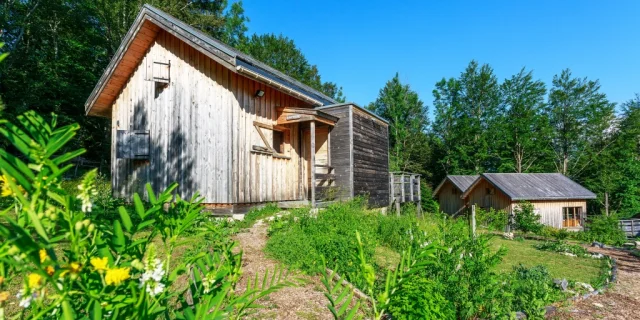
<point x="73" y="266"/>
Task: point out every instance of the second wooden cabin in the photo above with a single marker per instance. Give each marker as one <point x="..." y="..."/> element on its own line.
<point x="186" y="108"/>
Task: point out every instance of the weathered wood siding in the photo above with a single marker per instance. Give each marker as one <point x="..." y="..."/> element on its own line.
<point x="370" y="157"/>
<point x="341" y="151"/>
<point x="202" y="132"/>
<point x="450" y="202"/>
<point x="482" y="199"/>
<point x="551" y="211"/>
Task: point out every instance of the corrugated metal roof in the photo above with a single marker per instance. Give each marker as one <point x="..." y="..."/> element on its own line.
<point x="463" y="182"/>
<point x="538" y="186"/>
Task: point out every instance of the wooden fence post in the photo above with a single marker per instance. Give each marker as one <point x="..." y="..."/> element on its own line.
<point x="312" y="126"/>
<point x="473" y="221"/>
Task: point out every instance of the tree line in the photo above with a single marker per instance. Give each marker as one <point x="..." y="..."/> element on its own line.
<point x="518" y="125"/>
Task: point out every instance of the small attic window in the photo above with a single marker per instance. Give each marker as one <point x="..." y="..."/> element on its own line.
<point x="161" y="71"/>
<point x="158" y="71"/>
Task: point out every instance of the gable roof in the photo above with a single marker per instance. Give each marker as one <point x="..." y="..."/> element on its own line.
<point x="141" y="36"/>
<point x="462" y="182"/>
<point x="535" y="186"/>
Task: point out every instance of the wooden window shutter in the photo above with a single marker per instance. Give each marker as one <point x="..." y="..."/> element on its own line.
<point x="132" y="144"/>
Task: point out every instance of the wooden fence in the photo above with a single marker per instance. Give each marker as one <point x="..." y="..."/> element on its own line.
<point x="405" y="187"/>
<point x="631" y="227"/>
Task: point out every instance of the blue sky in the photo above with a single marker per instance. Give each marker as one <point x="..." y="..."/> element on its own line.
<point x="361" y="44"/>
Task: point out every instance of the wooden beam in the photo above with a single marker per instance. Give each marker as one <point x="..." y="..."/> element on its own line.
<point x="312" y="126"/>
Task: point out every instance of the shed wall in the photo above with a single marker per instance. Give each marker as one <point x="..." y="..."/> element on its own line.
<point x="202" y="132"/>
<point x="341" y="150"/>
<point x="370" y="158"/>
<point x="480" y="197"/>
<point x="450" y="202"/>
<point x="551" y="211"/>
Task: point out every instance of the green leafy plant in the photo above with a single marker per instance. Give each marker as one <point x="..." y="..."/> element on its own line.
<point x="563" y="247"/>
<point x="526" y="220"/>
<point x="603" y="229"/>
<point x="532" y="289"/>
<point x="72" y="265"/>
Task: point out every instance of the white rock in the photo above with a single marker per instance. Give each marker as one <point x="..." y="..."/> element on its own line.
<point x="599" y="305"/>
<point x="568" y="254"/>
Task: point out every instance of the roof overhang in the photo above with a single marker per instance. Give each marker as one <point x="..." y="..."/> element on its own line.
<point x="294" y="115"/>
<point x="142" y="34"/>
<point x="437" y="189"/>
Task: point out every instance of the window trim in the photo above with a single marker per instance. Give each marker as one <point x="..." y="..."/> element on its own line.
<point x="270" y="150"/>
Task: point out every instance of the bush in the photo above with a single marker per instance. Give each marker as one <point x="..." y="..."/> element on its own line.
<point x="563" y="247"/>
<point x="526" y="220"/>
<point x="300" y="240"/>
<point x="495" y="220"/>
<point x="419" y="298"/>
<point x="532" y="289"/>
<point x="603" y="229"/>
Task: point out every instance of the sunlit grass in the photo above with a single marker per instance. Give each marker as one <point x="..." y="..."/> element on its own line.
<point x="560" y="266"/>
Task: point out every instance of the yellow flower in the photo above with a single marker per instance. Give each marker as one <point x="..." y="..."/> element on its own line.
<point x="43" y="255"/>
<point x="4" y="296"/>
<point x="6" y="189"/>
<point x="50" y="270"/>
<point x="99" y="263"/>
<point x="34" y="280"/>
<point x="116" y="276"/>
<point x="75" y="267"/>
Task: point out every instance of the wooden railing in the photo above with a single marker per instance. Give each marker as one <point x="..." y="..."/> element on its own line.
<point x="405" y="187"/>
<point x="631" y="227"/>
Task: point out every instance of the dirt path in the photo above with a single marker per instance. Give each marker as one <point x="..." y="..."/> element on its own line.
<point x="620" y="302"/>
<point x="303" y="302"/>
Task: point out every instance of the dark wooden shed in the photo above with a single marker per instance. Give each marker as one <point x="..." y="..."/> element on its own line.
<point x="359" y="153"/>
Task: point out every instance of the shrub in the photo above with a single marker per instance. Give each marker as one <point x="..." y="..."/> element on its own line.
<point x="300" y="240"/>
<point x="397" y="232"/>
<point x="563" y="247"/>
<point x="532" y="289"/>
<point x="603" y="229"/>
<point x="492" y="219"/>
<point x="526" y="220"/>
<point x="419" y="298"/>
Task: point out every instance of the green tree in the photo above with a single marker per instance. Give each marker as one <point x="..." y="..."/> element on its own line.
<point x="466" y="118"/>
<point x="523" y="127"/>
<point x="408" y="121"/>
<point x="626" y="197"/>
<point x="281" y="53"/>
<point x="581" y="118"/>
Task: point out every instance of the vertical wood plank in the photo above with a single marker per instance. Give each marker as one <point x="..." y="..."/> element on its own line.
<point x="312" y="126"/>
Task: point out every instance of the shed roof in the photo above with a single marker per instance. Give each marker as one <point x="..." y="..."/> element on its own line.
<point x="462" y="182"/>
<point x="535" y="186"/>
<point x="140" y="37"/>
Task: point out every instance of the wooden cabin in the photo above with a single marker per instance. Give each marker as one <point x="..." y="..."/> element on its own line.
<point x="448" y="192"/>
<point x="560" y="201"/>
<point x="186" y="108"/>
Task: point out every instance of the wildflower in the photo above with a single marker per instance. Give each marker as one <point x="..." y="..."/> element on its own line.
<point x="43" y="255"/>
<point x="99" y="263"/>
<point x="87" y="190"/>
<point x="50" y="270"/>
<point x="75" y="267"/>
<point x="25" y="300"/>
<point x="152" y="276"/>
<point x="116" y="276"/>
<point x="34" y="280"/>
<point x="6" y="188"/>
<point x="450" y="249"/>
<point x="4" y="296"/>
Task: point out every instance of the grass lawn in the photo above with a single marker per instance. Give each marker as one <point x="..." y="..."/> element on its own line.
<point x="560" y="266"/>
